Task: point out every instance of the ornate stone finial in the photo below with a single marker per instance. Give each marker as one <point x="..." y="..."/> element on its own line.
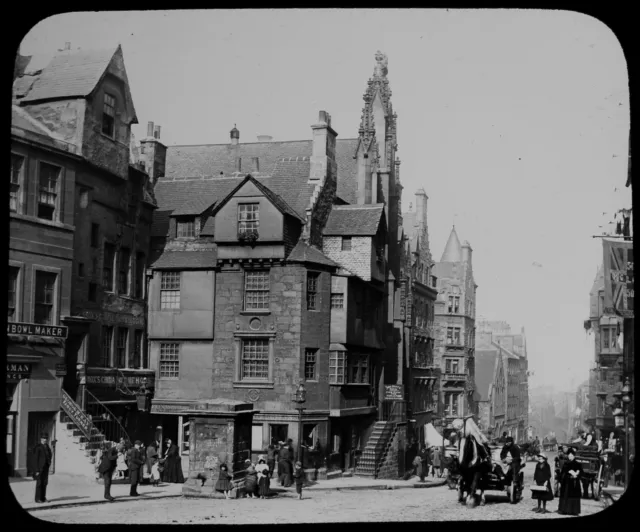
<point x="381" y="69"/>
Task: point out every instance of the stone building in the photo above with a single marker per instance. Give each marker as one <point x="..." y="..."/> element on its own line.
<point x="41" y="236"/>
<point x="418" y="285"/>
<point x="490" y="392"/>
<point x="606" y="373"/>
<point x="103" y="204"/>
<point x="455" y="319"/>
<point x="497" y="336"/>
<point x="275" y="263"/>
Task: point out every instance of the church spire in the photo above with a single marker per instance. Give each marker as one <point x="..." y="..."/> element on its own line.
<point x="453" y="250"/>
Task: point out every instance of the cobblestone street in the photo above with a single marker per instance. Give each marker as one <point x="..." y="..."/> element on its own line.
<point x="434" y="504"/>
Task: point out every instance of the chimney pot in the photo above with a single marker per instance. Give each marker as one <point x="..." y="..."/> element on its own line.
<point x="235" y="135"/>
<point x="156" y="132"/>
<point x="149" y="129"/>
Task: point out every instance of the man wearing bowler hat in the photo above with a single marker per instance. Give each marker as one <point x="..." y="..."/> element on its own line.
<point x="42" y="462"/>
<point x="135" y="462"/>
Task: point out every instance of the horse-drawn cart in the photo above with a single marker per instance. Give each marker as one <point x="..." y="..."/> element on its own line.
<point x="592" y="469"/>
<point x="495" y="481"/>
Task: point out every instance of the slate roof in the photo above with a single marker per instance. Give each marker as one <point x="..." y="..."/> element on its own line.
<point x="20" y="118"/>
<point x="354" y="220"/>
<point x="485" y="367"/>
<point x="194" y="206"/>
<point x="453" y="250"/>
<point x="208" y="160"/>
<point x="70" y="75"/>
<point x="186" y="260"/>
<point x="303" y="252"/>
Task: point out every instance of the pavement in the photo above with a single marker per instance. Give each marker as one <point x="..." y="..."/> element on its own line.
<point x="611" y="494"/>
<point x="70" y="490"/>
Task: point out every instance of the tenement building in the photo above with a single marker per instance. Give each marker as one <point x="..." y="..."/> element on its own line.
<point x="275" y="263"/>
<point x="418" y="288"/>
<point x="455" y="312"/>
<point x="84" y="207"/>
<point x="496" y="336"/>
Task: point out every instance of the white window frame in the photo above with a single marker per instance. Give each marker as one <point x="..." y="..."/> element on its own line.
<point x="175" y="362"/>
<point x="251" y="277"/>
<point x="337" y="300"/>
<point x="57" y="191"/>
<point x="55" y="311"/>
<point x="311" y="361"/>
<point x="338" y="367"/>
<point x="19" y="184"/>
<point x="248" y="217"/>
<point x="19" y="282"/>
<point x="245" y="344"/>
<point x="186" y="227"/>
<point x="170" y="302"/>
<point x="316" y="293"/>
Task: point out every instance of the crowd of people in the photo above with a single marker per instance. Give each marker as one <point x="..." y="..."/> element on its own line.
<point x="422" y="460"/>
<point x="137" y="463"/>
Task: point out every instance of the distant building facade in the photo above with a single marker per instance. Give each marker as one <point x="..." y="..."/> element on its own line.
<point x="455" y="312"/>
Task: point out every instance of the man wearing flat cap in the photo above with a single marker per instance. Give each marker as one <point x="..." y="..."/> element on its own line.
<point x="42" y="462"/>
<point x="135" y="462"/>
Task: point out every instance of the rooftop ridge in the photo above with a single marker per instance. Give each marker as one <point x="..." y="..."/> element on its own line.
<point x="359" y="206"/>
<point x="235" y="175"/>
<point x="245" y="143"/>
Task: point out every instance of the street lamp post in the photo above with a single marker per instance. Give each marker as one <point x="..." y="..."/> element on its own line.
<point x="300" y="399"/>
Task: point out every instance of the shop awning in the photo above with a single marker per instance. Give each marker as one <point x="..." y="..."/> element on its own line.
<point x="432" y="437"/>
<point x="30" y="352"/>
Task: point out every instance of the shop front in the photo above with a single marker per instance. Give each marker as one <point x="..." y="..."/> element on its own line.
<point x="35" y="369"/>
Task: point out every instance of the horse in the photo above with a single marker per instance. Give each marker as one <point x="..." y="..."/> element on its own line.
<point x="474" y="465"/>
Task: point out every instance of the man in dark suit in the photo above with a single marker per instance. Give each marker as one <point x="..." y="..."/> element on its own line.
<point x="42" y="462"/>
<point x="135" y="462"/>
<point x="107" y="467"/>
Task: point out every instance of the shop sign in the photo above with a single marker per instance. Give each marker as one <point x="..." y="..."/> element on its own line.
<point x="61" y="370"/>
<point x="77" y="415"/>
<point x="159" y="408"/>
<point x="393" y="392"/>
<point x="128" y="380"/>
<point x="18" y="372"/>
<point x="106" y="316"/>
<point x="36" y="329"/>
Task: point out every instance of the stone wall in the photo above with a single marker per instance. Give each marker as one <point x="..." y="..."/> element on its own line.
<point x="357" y="261"/>
<point x="393" y="465"/>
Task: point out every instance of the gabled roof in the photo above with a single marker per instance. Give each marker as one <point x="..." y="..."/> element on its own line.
<point x="484" y="372"/>
<point x="70" y="75"/>
<point x="186" y="260"/>
<point x="209" y="160"/>
<point x="354" y="220"/>
<point x="453" y="250"/>
<point x="276" y="200"/>
<point x="303" y="252"/>
<point x="508" y="352"/>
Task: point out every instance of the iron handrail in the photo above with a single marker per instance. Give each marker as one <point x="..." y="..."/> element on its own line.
<point x="112" y="430"/>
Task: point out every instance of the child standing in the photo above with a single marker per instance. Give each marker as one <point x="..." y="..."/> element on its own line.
<point x="298" y="475"/>
<point x="263" y="477"/>
<point x="224" y="481"/>
<point x="121" y="466"/>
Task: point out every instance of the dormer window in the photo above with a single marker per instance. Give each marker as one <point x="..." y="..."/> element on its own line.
<point x="248" y="218"/>
<point x="186" y="228"/>
<point x="108" y="115"/>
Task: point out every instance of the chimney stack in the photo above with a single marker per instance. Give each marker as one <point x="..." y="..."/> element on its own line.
<point x="154" y="153"/>
<point x="238" y="164"/>
<point x="323" y="156"/>
<point x="67" y="46"/>
<point x="265" y="138"/>
<point x="255" y="164"/>
<point x="466" y="253"/>
<point x="235" y="136"/>
<point x="421" y="208"/>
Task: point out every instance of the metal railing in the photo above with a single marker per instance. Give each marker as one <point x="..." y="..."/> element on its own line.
<point x="104" y="420"/>
<point x="392" y="411"/>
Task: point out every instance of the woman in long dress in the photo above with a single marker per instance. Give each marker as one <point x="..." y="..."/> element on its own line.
<point x="570" y="489"/>
<point x="251" y="480"/>
<point x="172" y="465"/>
<point x="542" y="477"/>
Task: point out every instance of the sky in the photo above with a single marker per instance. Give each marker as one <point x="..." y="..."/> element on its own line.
<point x="515" y="122"/>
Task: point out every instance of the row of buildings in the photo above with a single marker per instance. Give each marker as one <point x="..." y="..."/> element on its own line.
<point x="227" y="274"/>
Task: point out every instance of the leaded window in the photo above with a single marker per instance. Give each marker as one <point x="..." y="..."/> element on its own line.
<point x="337" y="300"/>
<point x="255" y="359"/>
<point x="256" y="290"/>
<point x="248" y="217"/>
<point x="170" y="290"/>
<point x="312" y="290"/>
<point x="169" y="360"/>
<point x="310" y="362"/>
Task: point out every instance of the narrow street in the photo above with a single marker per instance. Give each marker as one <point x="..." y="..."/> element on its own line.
<point x="433" y="504"/>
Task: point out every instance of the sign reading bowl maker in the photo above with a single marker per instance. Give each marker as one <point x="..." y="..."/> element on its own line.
<point x="36" y="329"/>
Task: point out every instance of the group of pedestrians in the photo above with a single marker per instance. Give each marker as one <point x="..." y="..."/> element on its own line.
<point x="425" y="461"/>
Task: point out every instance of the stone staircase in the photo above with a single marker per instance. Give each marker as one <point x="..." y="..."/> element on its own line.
<point x="76" y="454"/>
<point x="377" y="446"/>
